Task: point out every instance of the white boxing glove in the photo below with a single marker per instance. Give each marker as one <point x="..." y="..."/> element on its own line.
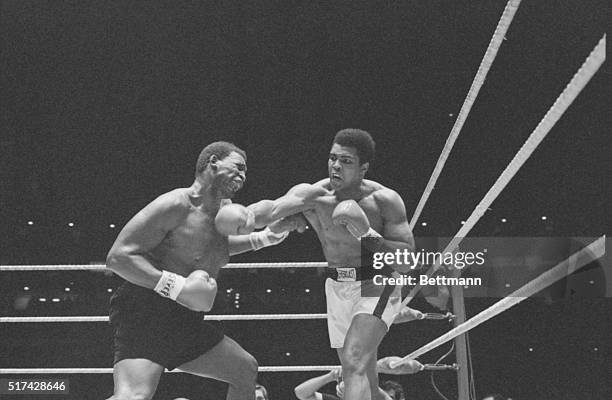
<point x="196" y="292"/>
<point x="266" y="238"/>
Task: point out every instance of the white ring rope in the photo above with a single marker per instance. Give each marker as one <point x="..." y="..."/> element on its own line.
<point x="573" y="263"/>
<point x="102" y="267"/>
<point x="481" y="75"/>
<point x="283" y="368"/>
<point x="565" y="99"/>
<point x="28" y="371"/>
<point x="217" y="317"/>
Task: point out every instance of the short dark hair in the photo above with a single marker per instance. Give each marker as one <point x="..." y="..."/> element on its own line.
<point x="393" y="385"/>
<point x="263" y="389"/>
<point x="360" y="140"/>
<point x="219" y="149"/>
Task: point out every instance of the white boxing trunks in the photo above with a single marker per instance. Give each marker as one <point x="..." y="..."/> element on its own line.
<point x="347" y="297"/>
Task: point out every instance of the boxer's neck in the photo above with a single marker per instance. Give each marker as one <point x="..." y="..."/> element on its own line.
<point x="204" y="193"/>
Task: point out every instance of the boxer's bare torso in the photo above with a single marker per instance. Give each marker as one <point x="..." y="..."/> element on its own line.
<point x="193" y="242"/>
<point x="340" y="248"/>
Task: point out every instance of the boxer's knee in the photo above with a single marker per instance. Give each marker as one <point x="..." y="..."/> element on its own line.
<point x="357" y="359"/>
<point x="245" y="374"/>
<point x="250" y="366"/>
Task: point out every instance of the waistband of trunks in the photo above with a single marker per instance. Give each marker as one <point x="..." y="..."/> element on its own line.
<point x="352" y="274"/>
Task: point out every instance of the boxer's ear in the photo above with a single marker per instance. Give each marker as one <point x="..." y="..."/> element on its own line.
<point x="212" y="161"/>
<point x="364" y="168"/>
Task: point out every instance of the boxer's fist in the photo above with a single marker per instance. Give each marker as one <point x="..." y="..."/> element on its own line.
<point x="349" y="214"/>
<point x="266" y="238"/>
<point x="199" y="291"/>
<point x="336" y="374"/>
<point x="234" y="219"/>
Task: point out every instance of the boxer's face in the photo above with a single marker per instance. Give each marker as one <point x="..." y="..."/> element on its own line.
<point x="343" y="167"/>
<point x="231" y="174"/>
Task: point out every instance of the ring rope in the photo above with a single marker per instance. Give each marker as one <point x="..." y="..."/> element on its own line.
<point x="218" y="317"/>
<point x="28" y="371"/>
<point x="101" y="267"/>
<point x="570" y="265"/>
<point x="440" y="367"/>
<point x="210" y="317"/>
<point x="481" y="75"/>
<point x="282" y="368"/>
<point x="565" y="99"/>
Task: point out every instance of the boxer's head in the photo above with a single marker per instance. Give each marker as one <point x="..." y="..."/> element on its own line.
<point x="225" y="164"/>
<point x="393" y="389"/>
<point x="349" y="157"/>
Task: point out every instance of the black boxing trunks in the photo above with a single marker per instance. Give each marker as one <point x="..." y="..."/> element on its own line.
<point x="146" y="325"/>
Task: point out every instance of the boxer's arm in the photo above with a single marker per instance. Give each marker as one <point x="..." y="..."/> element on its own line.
<point x="300" y="198"/>
<point x="396" y="231"/>
<point x="145" y="231"/>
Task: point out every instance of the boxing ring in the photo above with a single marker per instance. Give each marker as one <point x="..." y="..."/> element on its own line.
<point x="573" y="263"/>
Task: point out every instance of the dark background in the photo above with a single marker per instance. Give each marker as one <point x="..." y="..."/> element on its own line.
<point x="106" y="104"/>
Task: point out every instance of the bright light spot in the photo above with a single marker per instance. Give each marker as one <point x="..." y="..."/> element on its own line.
<point x="26" y="288"/>
<point x="504" y="220"/>
<point x="423" y="223"/>
<point x="42" y="299"/>
<point x="595" y="349"/>
<point x="544" y="218"/>
<point x="30" y="222"/>
<point x="229" y="290"/>
<point x="592" y="282"/>
<point x="287" y="354"/>
<point x="109" y="290"/>
<point x="70" y="224"/>
<point x="67" y="289"/>
<point x="531" y="349"/>
<point x="507" y="285"/>
<point x="55" y="300"/>
<point x="307" y="290"/>
<point x="268" y="290"/>
<point x="451" y="114"/>
<point x="112" y="226"/>
<point x="462" y="222"/>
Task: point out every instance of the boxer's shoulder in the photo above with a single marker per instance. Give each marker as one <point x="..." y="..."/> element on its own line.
<point x="311" y="190"/>
<point x="176" y="202"/>
<point x="378" y="191"/>
<point x="379" y="196"/>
